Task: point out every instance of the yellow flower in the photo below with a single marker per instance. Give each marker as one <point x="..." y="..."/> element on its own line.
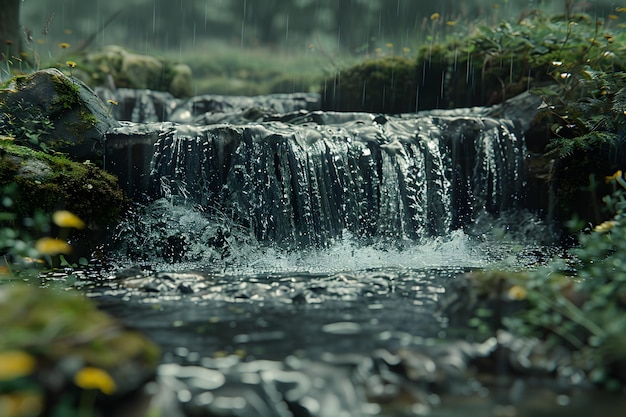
<point x="113" y="102"/>
<point x="604" y="227"/>
<point x="64" y="218"/>
<point x="389" y="45"/>
<point x="517" y="292"/>
<point x="613" y="16"/>
<point x="434" y="16"/>
<point x="15" y="364"/>
<point x="620" y="9"/>
<point x="406" y="50"/>
<point x="71" y="64"/>
<point x="613" y="177"/>
<point x="95" y="378"/>
<point x="20" y="404"/>
<point x="5" y="271"/>
<point x="51" y="246"/>
<point x="64" y="45"/>
<point x="451" y="23"/>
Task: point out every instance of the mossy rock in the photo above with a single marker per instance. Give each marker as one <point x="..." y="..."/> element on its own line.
<point x="122" y="68"/>
<point x="62" y="337"/>
<point x="46" y="183"/>
<point x="49" y="111"/>
<point x="440" y="77"/>
<point x="385" y="85"/>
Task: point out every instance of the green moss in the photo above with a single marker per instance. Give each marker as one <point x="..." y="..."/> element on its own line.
<point x="84" y="189"/>
<point x="482" y="67"/>
<point x="87" y="122"/>
<point x="387" y="85"/>
<point x="68" y="94"/>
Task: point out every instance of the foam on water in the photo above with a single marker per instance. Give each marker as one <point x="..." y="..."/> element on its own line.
<point x="178" y="237"/>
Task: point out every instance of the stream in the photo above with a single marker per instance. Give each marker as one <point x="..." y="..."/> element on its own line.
<point x="291" y="262"/>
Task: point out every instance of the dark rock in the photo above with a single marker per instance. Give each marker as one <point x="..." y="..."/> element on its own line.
<point x="145" y="106"/>
<point x="50" y="111"/>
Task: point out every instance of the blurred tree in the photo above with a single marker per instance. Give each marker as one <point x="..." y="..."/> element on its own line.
<point x="10" y="34"/>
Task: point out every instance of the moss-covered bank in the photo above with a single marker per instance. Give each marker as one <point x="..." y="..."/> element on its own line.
<point x="46" y="183"/>
<point x="575" y="64"/>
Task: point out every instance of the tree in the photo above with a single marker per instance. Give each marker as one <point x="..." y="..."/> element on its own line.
<point x="10" y="35"/>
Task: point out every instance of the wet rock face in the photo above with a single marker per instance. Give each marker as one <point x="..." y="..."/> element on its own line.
<point x="47" y="110"/>
<point x="145" y="106"/>
<point x="306" y="178"/>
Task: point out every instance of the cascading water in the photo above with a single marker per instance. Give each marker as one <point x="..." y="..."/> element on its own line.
<point x="293" y="261"/>
<point x="306" y="179"/>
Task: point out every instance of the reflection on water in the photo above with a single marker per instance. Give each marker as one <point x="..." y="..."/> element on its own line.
<point x="350" y="329"/>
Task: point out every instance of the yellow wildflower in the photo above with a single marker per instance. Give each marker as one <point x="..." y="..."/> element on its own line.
<point x="609" y="38"/>
<point x="64" y="218"/>
<point x="613" y="16"/>
<point x="406" y="50"/>
<point x="517" y="292"/>
<point x="95" y="378"/>
<point x="20" y="404"/>
<point x="51" y="246"/>
<point x="71" y="64"/>
<point x="5" y="271"/>
<point x="389" y="45"/>
<point x="64" y="45"/>
<point x="620" y="9"/>
<point x="618" y="174"/>
<point x="434" y="16"/>
<point x="15" y="364"/>
<point x="451" y="23"/>
<point x="604" y="227"/>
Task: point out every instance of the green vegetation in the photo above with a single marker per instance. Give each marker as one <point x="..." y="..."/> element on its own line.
<point x="483" y="65"/>
<point x="45" y="111"/>
<point x="46" y="183"/>
<point x="63" y="357"/>
<point x="577" y="302"/>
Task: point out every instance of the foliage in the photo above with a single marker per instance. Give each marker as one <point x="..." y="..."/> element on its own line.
<point x="578" y="302"/>
<point x="484" y="64"/>
<point x="57" y="357"/>
<point x="28" y="131"/>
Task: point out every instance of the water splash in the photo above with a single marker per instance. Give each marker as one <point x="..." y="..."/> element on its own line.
<point x="305" y="179"/>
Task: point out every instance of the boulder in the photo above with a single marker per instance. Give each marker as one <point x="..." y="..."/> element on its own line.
<point x="50" y="111"/>
<point x="46" y="183"/>
<point x="115" y="67"/>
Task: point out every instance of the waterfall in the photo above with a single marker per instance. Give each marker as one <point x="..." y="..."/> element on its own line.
<point x="304" y="178"/>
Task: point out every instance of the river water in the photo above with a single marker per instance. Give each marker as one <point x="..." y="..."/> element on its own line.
<point x="305" y="263"/>
<point x="351" y="329"/>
